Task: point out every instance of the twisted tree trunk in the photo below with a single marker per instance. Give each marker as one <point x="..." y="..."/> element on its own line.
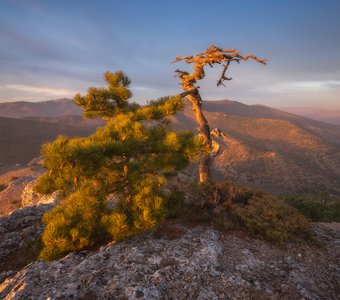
<point x="204" y="167"/>
<point x="213" y="55"/>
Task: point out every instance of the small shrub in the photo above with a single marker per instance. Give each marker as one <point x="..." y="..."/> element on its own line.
<point x="269" y="217"/>
<point x="2" y="187"/>
<point x="174" y="203"/>
<point x="317" y="209"/>
<point x="217" y="193"/>
<point x="233" y="207"/>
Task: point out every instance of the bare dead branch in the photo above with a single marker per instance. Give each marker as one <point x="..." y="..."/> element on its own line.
<point x="264" y="61"/>
<point x="223" y="77"/>
<point x="213" y="55"/>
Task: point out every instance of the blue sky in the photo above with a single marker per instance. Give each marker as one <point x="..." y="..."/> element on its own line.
<point x="54" y="49"/>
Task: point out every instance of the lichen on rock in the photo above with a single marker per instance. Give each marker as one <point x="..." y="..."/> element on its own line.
<point x="29" y="197"/>
<point x="200" y="263"/>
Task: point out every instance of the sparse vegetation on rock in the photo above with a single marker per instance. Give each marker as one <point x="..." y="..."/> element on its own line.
<point x="186" y="262"/>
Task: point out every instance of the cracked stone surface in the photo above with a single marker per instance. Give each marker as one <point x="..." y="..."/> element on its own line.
<point x="195" y="263"/>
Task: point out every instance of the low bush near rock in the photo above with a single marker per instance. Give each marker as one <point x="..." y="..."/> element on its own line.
<point x="73" y="225"/>
<point x="2" y="187"/>
<point x="233" y="207"/>
<point x="84" y="219"/>
<point x="317" y="209"/>
<point x="269" y="217"/>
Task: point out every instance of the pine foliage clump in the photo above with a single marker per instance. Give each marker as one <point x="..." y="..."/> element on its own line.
<point x="128" y="160"/>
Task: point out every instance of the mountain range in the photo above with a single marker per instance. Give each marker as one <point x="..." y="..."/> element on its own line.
<point x="260" y="147"/>
<point x="326" y="115"/>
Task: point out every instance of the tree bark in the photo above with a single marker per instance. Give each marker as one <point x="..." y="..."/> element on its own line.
<point x="205" y="160"/>
<point x="127" y="187"/>
<point x="204" y="168"/>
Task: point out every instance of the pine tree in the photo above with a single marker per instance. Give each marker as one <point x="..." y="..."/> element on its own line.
<point x="130" y="159"/>
<point x="213" y="55"/>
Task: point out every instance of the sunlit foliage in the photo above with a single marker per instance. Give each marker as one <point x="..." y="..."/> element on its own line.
<point x="130" y="159"/>
<point x="106" y="101"/>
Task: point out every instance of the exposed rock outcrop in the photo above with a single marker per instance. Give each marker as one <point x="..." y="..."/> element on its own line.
<point x="179" y="262"/>
<point x="16" y="181"/>
<point x="19" y="232"/>
<point x="10" y="198"/>
<point x="29" y="197"/>
<point x="35" y="162"/>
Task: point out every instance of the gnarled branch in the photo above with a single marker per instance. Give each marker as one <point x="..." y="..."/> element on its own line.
<point x="213" y="55"/>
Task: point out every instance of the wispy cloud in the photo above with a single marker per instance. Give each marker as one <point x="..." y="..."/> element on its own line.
<point x="39" y="90"/>
<point x="305" y="86"/>
<point x="52" y="49"/>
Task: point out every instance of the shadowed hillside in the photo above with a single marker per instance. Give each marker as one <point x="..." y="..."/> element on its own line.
<point x="73" y="120"/>
<point x="21" y="140"/>
<point x="61" y="111"/>
<point x="51" y="108"/>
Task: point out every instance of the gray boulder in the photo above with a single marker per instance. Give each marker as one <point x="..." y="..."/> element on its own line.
<point x="10" y="197"/>
<point x="29" y="197"/>
<point x="19" y="234"/>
